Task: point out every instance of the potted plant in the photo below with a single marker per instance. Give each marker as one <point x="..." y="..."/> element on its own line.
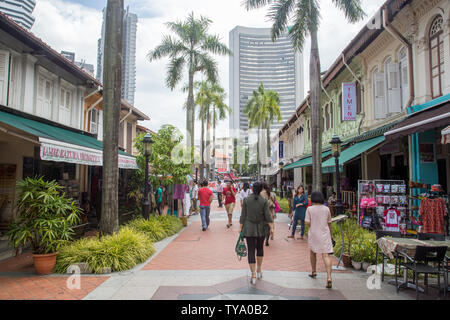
<point x="369" y="252"/>
<point x="356" y="256"/>
<point x="351" y="232"/>
<point x="44" y="220"/>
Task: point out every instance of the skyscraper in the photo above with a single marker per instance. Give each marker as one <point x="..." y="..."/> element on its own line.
<point x="129" y="54"/>
<point x="257" y="60"/>
<point x="19" y="10"/>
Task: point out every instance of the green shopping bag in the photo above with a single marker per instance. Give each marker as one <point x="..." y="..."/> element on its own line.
<point x="241" y="248"/>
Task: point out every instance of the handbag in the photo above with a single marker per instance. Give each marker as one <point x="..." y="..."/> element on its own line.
<point x="277" y="206"/>
<point x="241" y="248"/>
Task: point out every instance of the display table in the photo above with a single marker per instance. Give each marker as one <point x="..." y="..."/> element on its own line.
<point x="391" y="246"/>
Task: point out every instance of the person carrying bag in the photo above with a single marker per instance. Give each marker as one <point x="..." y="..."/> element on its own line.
<point x="256" y="224"/>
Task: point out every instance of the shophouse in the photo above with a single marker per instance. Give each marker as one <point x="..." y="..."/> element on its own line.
<point x="42" y="119"/>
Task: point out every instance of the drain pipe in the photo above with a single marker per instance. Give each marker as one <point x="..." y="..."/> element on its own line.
<point x="397" y="35"/>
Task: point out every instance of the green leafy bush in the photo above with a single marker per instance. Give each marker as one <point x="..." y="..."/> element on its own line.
<point x="284" y="205"/>
<point x="360" y="243"/>
<point x="45" y="216"/>
<point x="157" y="227"/>
<point x="121" y="251"/>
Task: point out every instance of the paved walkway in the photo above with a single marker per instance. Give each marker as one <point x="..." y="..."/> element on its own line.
<point x="198" y="265"/>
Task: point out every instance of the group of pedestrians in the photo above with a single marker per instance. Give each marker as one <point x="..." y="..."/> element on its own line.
<point x="257" y="220"/>
<point x="257" y="225"/>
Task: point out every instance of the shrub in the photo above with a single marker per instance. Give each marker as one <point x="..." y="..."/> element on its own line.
<point x="121" y="251"/>
<point x="284" y="205"/>
<point x="157" y="227"/>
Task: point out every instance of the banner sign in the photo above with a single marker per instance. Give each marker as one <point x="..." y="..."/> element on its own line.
<point x="281" y="155"/>
<point x="349" y="101"/>
<point x="57" y="153"/>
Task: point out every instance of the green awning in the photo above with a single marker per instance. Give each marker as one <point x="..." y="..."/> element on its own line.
<point x="64" y="145"/>
<point x="351" y="153"/>
<point x="305" y="162"/>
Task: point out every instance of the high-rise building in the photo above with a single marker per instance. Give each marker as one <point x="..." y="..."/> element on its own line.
<point x="89" y="68"/>
<point x="255" y="60"/>
<point x="19" y="10"/>
<point x="129" y="54"/>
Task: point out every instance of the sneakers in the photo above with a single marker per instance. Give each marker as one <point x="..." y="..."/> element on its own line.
<point x="203" y="229"/>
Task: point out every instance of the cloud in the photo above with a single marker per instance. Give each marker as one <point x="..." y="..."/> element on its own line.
<point x="66" y="25"/>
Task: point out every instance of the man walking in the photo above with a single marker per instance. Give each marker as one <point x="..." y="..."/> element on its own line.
<point x="194" y="197"/>
<point x="230" y="201"/>
<point x="206" y="197"/>
<point x="219" y="192"/>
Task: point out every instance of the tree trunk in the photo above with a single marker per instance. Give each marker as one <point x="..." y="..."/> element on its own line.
<point x="190" y="116"/>
<point x="214" y="143"/>
<point x="202" y="143"/>
<point x="208" y="145"/>
<point x="316" y="135"/>
<point x="112" y="91"/>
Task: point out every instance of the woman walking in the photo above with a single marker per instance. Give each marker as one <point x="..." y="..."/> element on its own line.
<point x="318" y="217"/>
<point x="271" y="198"/>
<point x="299" y="205"/>
<point x="244" y="192"/>
<point x="256" y="224"/>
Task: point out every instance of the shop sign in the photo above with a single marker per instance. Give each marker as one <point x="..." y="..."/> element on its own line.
<point x="426" y="152"/>
<point x="281" y="155"/>
<point x="349" y="101"/>
<point x="57" y="153"/>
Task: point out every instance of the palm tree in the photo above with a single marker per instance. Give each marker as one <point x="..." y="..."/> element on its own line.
<point x="210" y="98"/>
<point x="191" y="48"/>
<point x="305" y="16"/>
<point x="262" y="109"/>
<point x="112" y="75"/>
<point x="219" y="112"/>
<point x="202" y="99"/>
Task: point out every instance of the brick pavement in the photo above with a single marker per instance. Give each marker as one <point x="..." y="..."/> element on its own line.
<point x="213" y="249"/>
<point x="18" y="281"/>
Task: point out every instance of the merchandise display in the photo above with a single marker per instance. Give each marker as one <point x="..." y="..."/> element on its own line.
<point x="383" y="207"/>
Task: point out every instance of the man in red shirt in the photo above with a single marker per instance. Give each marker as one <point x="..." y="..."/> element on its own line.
<point x="230" y="201"/>
<point x="206" y="197"/>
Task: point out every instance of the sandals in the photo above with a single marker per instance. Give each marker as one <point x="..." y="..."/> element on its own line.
<point x="329" y="284"/>
<point x="312" y="275"/>
<point x="253" y="280"/>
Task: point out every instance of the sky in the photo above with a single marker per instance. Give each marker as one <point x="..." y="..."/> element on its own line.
<point x="75" y="25"/>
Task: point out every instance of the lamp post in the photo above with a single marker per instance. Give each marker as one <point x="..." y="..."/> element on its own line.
<point x="336" y="150"/>
<point x="148" y="142"/>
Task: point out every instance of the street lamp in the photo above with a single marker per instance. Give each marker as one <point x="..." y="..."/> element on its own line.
<point x="148" y="142"/>
<point x="336" y="150"/>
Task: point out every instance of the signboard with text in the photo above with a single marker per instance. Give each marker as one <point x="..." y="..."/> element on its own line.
<point x="57" y="153"/>
<point x="349" y="101"/>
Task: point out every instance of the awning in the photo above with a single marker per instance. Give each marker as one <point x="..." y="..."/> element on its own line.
<point x="351" y="153"/>
<point x="433" y="117"/>
<point x="445" y="135"/>
<point x="305" y="162"/>
<point x="63" y="145"/>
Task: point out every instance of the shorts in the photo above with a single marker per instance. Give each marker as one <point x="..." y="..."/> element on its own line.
<point x="230" y="208"/>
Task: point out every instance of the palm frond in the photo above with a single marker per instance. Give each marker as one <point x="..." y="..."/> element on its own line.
<point x="351" y="8"/>
<point x="207" y="65"/>
<point x="174" y="72"/>
<point x="279" y="13"/>
<point x="255" y="4"/>
<point x="168" y="47"/>
<point x="214" y="45"/>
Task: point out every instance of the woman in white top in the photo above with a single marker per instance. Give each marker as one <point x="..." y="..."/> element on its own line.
<point x="244" y="192"/>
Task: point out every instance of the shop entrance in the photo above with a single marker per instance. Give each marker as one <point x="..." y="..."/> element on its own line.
<point x="442" y="172"/>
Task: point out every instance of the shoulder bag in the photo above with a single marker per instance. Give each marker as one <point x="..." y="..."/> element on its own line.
<point x="241" y="248"/>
